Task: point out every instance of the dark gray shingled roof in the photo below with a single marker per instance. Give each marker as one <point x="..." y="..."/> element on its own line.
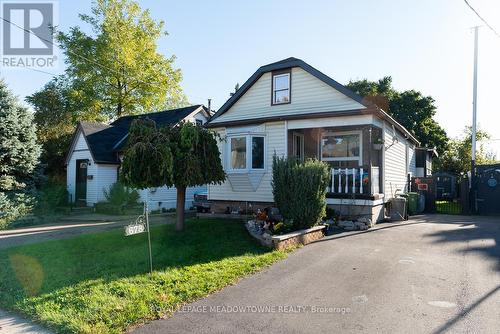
<point x="105" y="141"/>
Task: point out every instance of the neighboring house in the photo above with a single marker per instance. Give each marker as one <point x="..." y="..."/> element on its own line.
<point x="93" y="161"/>
<point x="424" y="157"/>
<point x="289" y="108"/>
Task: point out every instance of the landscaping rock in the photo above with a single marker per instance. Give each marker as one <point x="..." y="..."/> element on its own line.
<point x="347" y="225"/>
<point x="366" y="221"/>
<point x="266" y="235"/>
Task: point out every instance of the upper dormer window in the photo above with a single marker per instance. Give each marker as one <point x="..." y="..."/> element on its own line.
<point x="281" y="87"/>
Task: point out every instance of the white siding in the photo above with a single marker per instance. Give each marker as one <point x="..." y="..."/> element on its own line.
<point x="331" y="121"/>
<point x="275" y="134"/>
<point x="102" y="175"/>
<point x="165" y="197"/>
<point x="395" y="163"/>
<point x="199" y="116"/>
<point x="308" y="95"/>
<point x="80" y="151"/>
<point x="106" y="176"/>
<point x="400" y="159"/>
<point x="81" y="143"/>
<point x="412" y="159"/>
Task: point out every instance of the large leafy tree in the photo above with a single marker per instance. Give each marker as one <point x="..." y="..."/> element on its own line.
<point x="457" y="159"/>
<point x="19" y="153"/>
<point x="410" y="108"/>
<point x="58" y="106"/>
<point x="182" y="156"/>
<point x="112" y="72"/>
<point x="119" y="64"/>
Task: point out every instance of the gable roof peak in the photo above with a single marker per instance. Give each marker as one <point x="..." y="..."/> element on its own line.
<point x="286" y="61"/>
<point x="284" y="64"/>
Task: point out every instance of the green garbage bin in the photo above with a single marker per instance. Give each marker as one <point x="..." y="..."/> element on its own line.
<point x="412" y="203"/>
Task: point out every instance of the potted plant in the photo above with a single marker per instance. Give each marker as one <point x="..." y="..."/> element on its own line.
<point x="378" y="144"/>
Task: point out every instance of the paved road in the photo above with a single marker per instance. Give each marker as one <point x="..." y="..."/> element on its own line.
<point x="432" y="274"/>
<point x="66" y="229"/>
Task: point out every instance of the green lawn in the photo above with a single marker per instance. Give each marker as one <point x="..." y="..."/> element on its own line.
<point x="98" y="283"/>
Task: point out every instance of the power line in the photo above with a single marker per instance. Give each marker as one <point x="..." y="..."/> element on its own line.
<point x="37" y="70"/>
<point x="481" y="18"/>
<point x="72" y="52"/>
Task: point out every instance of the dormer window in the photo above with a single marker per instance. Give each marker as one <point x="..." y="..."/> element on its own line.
<point x="281" y="87"/>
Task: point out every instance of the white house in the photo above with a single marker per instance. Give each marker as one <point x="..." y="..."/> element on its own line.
<point x="289" y="108"/>
<point x="93" y="161"/>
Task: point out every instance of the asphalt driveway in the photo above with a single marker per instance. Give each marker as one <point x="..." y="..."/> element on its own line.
<point x="431" y="274"/>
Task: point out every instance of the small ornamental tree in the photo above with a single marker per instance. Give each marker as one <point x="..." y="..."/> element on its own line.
<point x="182" y="156"/>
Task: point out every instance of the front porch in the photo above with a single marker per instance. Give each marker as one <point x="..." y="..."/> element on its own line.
<point x="355" y="155"/>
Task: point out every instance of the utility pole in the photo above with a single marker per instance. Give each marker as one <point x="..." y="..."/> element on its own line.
<point x="474" y="118"/>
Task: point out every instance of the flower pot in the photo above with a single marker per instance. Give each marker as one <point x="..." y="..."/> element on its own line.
<point x="378" y="147"/>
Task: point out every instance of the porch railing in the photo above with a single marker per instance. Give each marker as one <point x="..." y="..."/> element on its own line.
<point x="349" y="181"/>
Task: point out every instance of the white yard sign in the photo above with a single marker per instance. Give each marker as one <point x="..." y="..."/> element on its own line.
<point x="134" y="229"/>
<point x="141" y="225"/>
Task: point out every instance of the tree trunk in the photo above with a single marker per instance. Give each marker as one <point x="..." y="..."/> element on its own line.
<point x="181" y="200"/>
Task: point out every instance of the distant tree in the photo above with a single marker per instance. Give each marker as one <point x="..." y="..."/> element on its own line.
<point x="183" y="156"/>
<point x="410" y="108"/>
<point x="19" y="153"/>
<point x="119" y="64"/>
<point x="58" y="107"/>
<point x="236" y="87"/>
<point x="457" y="159"/>
<point x="115" y="71"/>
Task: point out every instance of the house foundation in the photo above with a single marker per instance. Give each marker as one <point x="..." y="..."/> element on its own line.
<point x="348" y="208"/>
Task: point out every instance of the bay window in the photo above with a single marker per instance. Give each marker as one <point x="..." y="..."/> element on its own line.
<point x="246" y="153"/>
<point x="238" y="153"/>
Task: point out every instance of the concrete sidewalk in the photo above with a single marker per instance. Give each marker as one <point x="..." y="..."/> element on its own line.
<point x="14" y="324"/>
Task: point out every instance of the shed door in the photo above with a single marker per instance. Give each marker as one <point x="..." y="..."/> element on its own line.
<point x="81" y="181"/>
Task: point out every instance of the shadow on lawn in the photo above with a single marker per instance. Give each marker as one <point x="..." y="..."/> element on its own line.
<point x="110" y="256"/>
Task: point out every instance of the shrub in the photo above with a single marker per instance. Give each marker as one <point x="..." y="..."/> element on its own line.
<point x="119" y="195"/>
<point x="119" y="200"/>
<point x="299" y="190"/>
<point x="13" y="206"/>
<point x="51" y="196"/>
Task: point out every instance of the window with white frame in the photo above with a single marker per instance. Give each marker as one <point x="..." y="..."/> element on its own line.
<point x="342" y="146"/>
<point x="246" y="152"/>
<point x="281" y="88"/>
<point x="257" y="152"/>
<point x="238" y="153"/>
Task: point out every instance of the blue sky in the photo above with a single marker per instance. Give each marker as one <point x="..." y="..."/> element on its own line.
<point x="424" y="45"/>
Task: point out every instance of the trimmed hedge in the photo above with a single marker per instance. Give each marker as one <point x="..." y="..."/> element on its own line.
<point x="299" y="190"/>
